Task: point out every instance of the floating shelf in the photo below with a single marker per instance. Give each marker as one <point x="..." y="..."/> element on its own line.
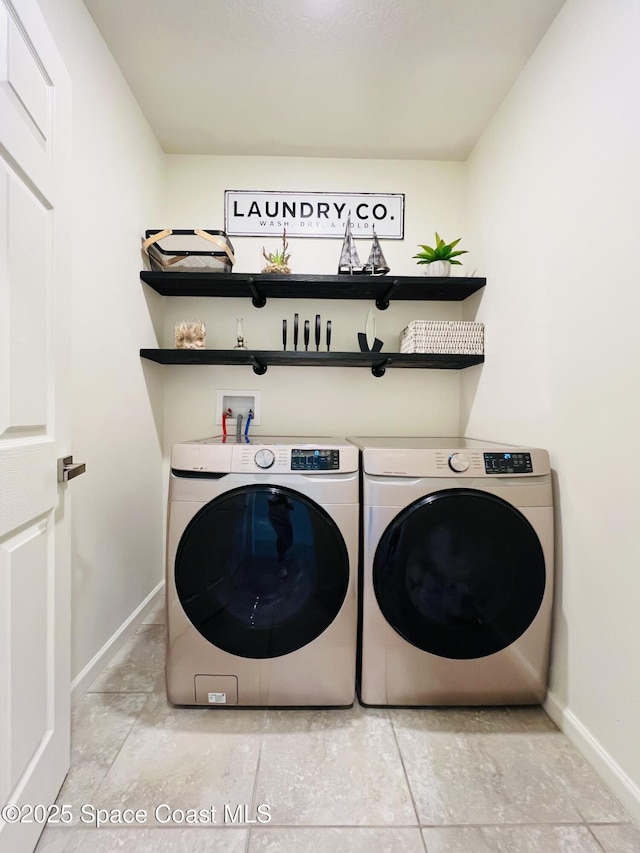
<point x="261" y="359"/>
<point x="260" y="287"/>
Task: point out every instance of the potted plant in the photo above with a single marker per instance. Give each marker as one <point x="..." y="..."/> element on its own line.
<point x="278" y="262"/>
<point x="438" y="259"/>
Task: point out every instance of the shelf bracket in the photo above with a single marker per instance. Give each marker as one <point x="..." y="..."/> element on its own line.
<point x="379" y="369"/>
<point x="258" y="367"/>
<point x="258" y="300"/>
<point x="383" y="302"/>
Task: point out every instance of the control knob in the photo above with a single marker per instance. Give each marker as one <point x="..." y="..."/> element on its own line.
<point x="459" y="462"/>
<point x="264" y="458"/>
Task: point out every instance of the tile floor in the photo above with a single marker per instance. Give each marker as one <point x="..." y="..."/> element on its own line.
<point x="362" y="780"/>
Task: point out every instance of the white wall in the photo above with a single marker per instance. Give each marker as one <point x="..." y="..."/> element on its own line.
<point x="117" y="413"/>
<point x="314" y="401"/>
<point x="554" y="194"/>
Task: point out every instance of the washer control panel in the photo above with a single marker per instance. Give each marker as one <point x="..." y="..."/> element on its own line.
<point x="266" y="456"/>
<point x="508" y="463"/>
<point x="315" y="459"/>
<point x="307" y="459"/>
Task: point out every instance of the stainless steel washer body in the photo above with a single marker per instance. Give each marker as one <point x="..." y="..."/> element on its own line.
<point x="262" y="549"/>
<point x="457" y="572"/>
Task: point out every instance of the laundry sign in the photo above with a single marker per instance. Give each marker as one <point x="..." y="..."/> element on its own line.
<point x="249" y="213"/>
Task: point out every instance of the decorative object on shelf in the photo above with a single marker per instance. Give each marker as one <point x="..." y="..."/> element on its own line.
<point x="443" y="336"/>
<point x="438" y="259"/>
<point x="349" y="263"/>
<point x="278" y="261"/>
<point x="306" y="333"/>
<point x="367" y="340"/>
<point x="240" y="344"/>
<point x="190" y="335"/>
<point x="376" y="263"/>
<point x="188" y="250"/>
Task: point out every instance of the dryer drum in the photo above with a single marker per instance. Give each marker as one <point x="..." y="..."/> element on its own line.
<point x="261" y="571"/>
<point x="459" y="573"/>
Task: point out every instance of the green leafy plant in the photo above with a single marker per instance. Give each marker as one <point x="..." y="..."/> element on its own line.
<point x="441" y="252"/>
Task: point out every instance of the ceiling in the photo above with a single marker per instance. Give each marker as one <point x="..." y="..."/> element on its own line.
<point x="396" y="79"/>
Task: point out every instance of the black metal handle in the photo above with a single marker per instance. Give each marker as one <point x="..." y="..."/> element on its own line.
<point x="284" y="334"/>
<point x="317" y="332"/>
<point x="68" y="469"/>
<point x="306" y="335"/>
<point x="328" y="334"/>
<point x="295" y="332"/>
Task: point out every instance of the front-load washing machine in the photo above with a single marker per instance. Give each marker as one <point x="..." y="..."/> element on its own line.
<point x="457" y="572"/>
<point x="261" y="581"/>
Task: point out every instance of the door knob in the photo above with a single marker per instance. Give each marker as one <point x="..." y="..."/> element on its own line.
<point x="68" y="469"/>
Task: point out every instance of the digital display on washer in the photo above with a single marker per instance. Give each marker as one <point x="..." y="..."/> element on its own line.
<point x="315" y="460"/>
<point x="508" y="463"/>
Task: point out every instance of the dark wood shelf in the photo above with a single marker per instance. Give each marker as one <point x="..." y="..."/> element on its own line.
<point x="378" y="362"/>
<point x="260" y="287"/>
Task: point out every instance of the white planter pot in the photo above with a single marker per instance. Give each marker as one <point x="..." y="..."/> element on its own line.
<point x="437" y="268"/>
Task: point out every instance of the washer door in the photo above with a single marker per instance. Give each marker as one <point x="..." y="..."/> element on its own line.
<point x="261" y="571"/>
<point x="459" y="573"/>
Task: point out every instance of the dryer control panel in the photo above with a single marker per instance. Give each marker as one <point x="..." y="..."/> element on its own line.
<point x="449" y="457"/>
<point x="508" y="463"/>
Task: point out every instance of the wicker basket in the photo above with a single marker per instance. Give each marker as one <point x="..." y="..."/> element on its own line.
<point x="443" y="336"/>
<point x="188" y="250"/>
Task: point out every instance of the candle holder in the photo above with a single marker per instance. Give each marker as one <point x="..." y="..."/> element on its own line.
<point x="240" y="344"/>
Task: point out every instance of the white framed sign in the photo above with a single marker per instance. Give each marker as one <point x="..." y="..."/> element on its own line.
<point x="249" y="213"/>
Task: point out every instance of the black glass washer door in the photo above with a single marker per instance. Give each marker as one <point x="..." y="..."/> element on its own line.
<point x="459" y="573"/>
<point x="261" y="571"/>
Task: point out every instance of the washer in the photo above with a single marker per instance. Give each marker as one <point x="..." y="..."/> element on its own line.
<point x="262" y="547"/>
<point x="457" y="572"/>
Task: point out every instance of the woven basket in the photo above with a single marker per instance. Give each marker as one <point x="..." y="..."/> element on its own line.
<point x="188" y="250"/>
<point x="443" y="336"/>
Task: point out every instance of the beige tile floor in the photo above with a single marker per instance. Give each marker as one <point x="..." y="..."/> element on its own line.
<point x="359" y="780"/>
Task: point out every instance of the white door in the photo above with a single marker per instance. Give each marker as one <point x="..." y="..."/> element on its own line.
<point x="35" y="137"/>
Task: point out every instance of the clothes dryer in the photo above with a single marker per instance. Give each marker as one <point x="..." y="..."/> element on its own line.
<point x="261" y="576"/>
<point x="457" y="572"/>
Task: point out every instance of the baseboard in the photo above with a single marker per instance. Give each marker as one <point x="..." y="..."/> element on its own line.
<point x="614" y="777"/>
<point x="95" y="666"/>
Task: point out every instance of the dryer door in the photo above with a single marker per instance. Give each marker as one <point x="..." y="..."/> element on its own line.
<point x="261" y="571"/>
<point x="459" y="573"/>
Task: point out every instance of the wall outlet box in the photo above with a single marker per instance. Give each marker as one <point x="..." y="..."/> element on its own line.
<point x="240" y="402"/>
